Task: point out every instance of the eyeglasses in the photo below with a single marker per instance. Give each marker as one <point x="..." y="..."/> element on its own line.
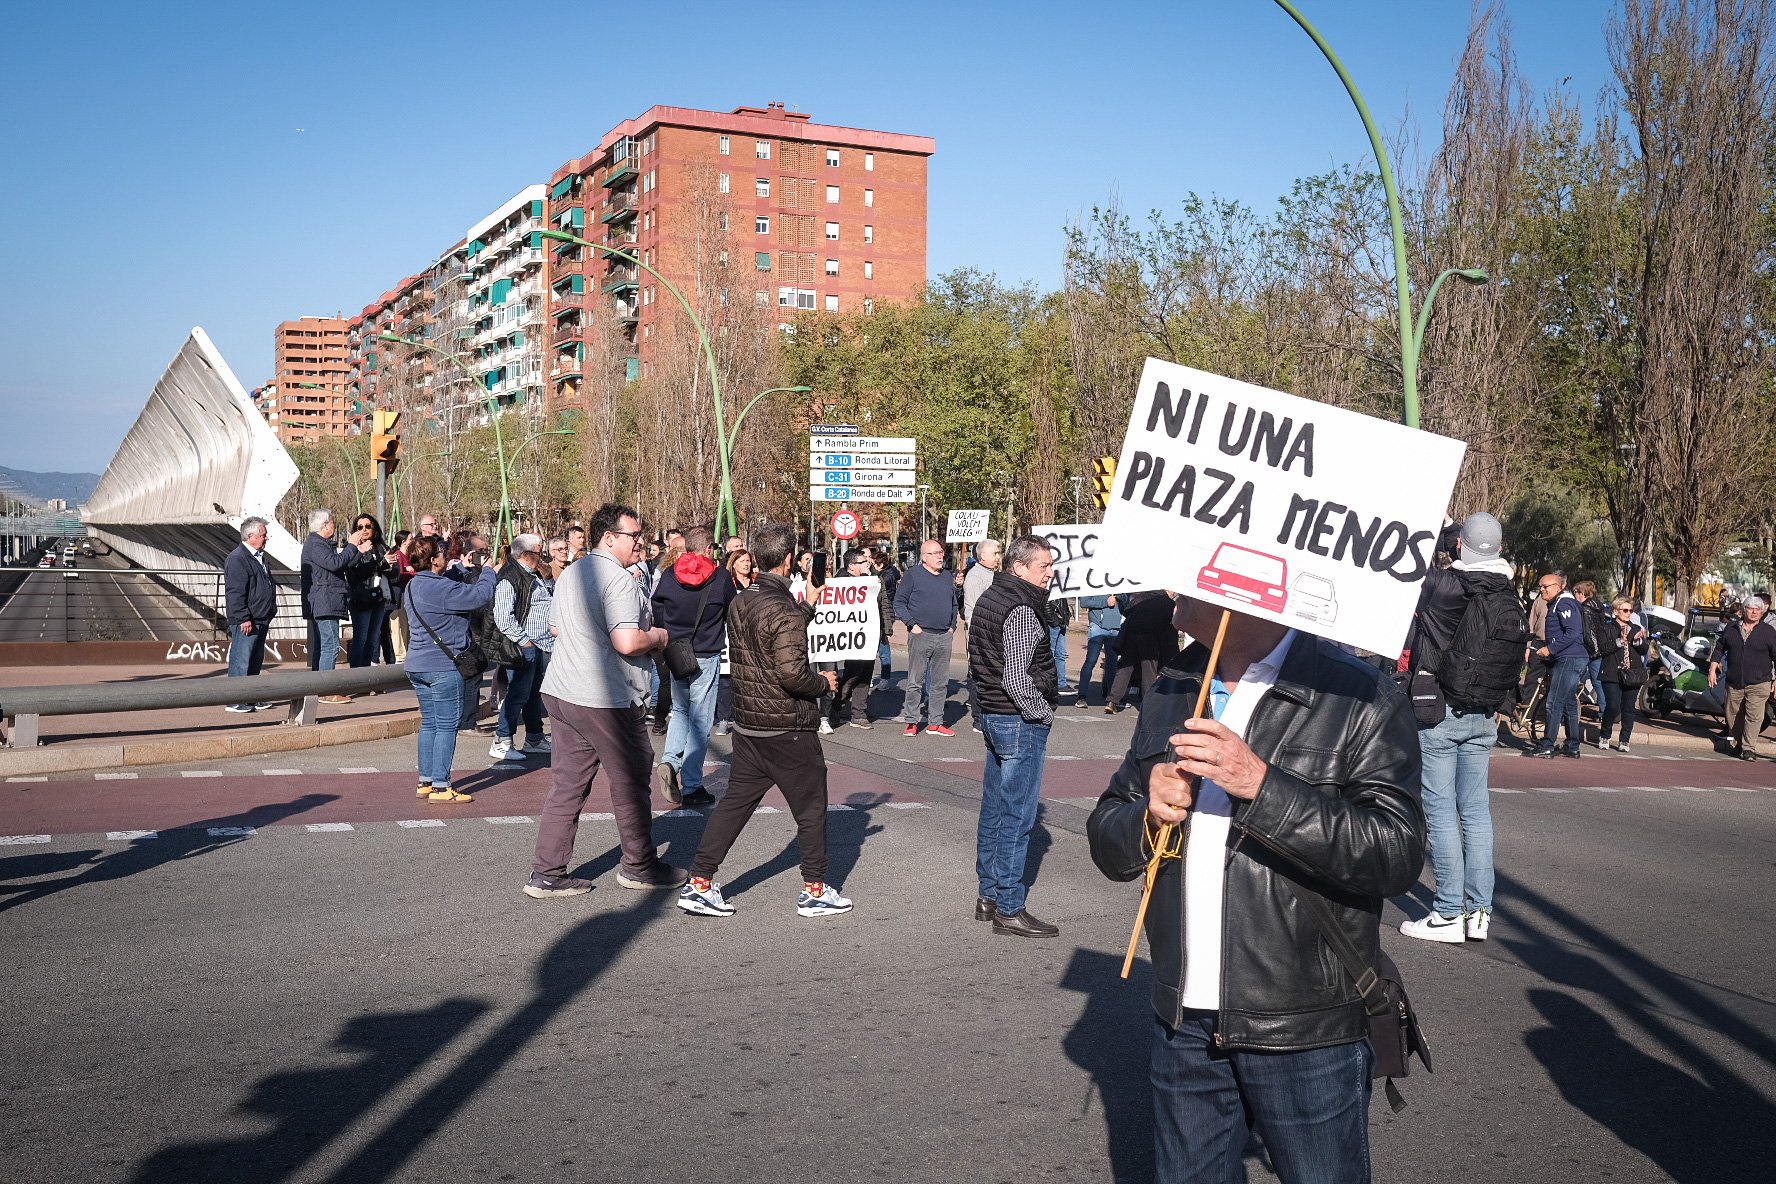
<point x="1546" y="586"/>
<point x="637" y="535"/>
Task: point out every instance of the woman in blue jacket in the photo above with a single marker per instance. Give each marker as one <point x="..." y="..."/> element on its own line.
<point x="439" y="607"/>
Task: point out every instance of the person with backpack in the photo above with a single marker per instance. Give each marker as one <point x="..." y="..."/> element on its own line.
<point x="1466" y="654"/>
<point x="522" y="645"/>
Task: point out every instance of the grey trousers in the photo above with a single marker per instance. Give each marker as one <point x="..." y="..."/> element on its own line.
<point x="928" y="660"/>
<point x="586" y="738"/>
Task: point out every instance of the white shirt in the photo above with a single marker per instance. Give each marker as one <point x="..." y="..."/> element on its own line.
<point x="1205" y="858"/>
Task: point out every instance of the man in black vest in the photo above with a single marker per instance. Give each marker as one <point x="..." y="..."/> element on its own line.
<point x="1013" y="671"/>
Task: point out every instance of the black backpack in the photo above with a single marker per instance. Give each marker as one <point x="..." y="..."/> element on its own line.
<point x="1480" y="669"/>
<point x="499" y="649"/>
<point x="1591" y="616"/>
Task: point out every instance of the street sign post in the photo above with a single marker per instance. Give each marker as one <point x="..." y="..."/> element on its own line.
<point x="855" y="468"/>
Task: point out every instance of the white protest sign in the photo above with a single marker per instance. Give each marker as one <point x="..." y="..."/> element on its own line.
<point x="967" y="526"/>
<point x="1279" y="507"/>
<point x="847" y="622"/>
<point x="1076" y="568"/>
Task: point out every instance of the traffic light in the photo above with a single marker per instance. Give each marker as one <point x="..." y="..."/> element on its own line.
<point x="1103" y="480"/>
<point x="385" y="446"/>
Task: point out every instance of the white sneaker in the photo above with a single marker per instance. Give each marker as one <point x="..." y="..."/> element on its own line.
<point x="1434" y="928"/>
<point x="826" y="728"/>
<point x="502" y="750"/>
<point x="1477" y="923"/>
<point x="828" y="904"/>
<point x="706" y="904"/>
<point x="1619" y="747"/>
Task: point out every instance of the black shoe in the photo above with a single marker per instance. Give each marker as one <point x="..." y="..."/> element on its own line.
<point x="985" y="910"/>
<point x="1022" y="924"/>
<point x="1572" y="751"/>
<point x="699" y="798"/>
<point x="1748" y="756"/>
<point x="1547" y="752"/>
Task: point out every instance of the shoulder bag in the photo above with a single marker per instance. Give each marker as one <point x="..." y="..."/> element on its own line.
<point x="681" y="653"/>
<point x="469" y="661"/>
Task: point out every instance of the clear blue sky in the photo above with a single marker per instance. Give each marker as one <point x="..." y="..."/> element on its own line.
<point x="230" y="166"/>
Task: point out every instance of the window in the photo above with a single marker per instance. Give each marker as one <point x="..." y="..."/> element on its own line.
<point x="869" y="306"/>
<point x="722" y="296"/>
<point x="762" y="224"/>
<point x="762" y="260"/>
<point x="832" y="304"/>
<point x="805" y="298"/>
<point x="647" y="145"/>
<point x="722" y="184"/>
<point x="786" y="297"/>
<point x="721" y="145"/>
<point x="869" y="269"/>
<point x="722" y="259"/>
<point x="762" y="298"/>
<point x="832" y="232"/>
<point x="762" y="187"/>
<point x="869" y="197"/>
<point x="722" y="221"/>
<point x="832" y="267"/>
<point x="832" y="158"/>
<point x="832" y="195"/>
<point x="869" y="162"/>
<point x="762" y="149"/>
<point x="647" y="294"/>
<point x="869" y="234"/>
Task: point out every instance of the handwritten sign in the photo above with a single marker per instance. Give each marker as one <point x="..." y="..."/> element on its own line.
<point x="1076" y="568"/>
<point x="1277" y="506"/>
<point x="847" y="622"/>
<point x="967" y="526"/>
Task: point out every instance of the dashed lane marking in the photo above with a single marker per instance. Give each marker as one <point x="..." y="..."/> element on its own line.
<point x="1550" y="789"/>
<point x="282" y="772"/>
<point x="952" y="760"/>
<point x="22" y="840"/>
<point x="10" y="780"/>
<point x="1496" y="789"/>
<point x="412" y="822"/>
<point x="360" y="769"/>
<point x="598" y="816"/>
<point x="114" y="776"/>
<point x="130" y="836"/>
<point x="231" y="832"/>
<point x="511" y="820"/>
<point x="767" y="810"/>
<point x="326" y="827"/>
<point x="839" y="806"/>
<point x="891" y="806"/>
<point x="1059" y="757"/>
<point x="200" y="772"/>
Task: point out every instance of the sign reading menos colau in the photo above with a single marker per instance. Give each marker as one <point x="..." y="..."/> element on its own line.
<point x="847" y="623"/>
<point x="1077" y="571"/>
<point x="1277" y="506"/>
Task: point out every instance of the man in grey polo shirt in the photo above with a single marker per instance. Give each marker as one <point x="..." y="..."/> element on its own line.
<point x="596" y="690"/>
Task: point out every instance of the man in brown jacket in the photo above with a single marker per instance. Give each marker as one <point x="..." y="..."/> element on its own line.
<point x="776" y="732"/>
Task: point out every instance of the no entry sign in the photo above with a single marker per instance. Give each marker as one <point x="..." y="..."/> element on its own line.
<point x="845" y="525"/>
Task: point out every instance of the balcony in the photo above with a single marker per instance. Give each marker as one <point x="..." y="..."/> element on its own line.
<point x="621" y="278"/>
<point x="620" y="171"/>
<point x="567" y="331"/>
<point x="627" y="311"/>
<point x="620" y="208"/>
<point x="567" y="303"/>
<point x="622" y="240"/>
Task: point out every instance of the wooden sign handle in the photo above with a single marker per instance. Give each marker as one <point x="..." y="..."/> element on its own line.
<point x="1162" y="842"/>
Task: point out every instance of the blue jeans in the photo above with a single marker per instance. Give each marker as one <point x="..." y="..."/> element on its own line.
<point x="1099" y="641"/>
<point x="1563" y="700"/>
<point x="884" y="655"/>
<point x="440" y="708"/>
<point x="1057" y="641"/>
<point x="1458" y="809"/>
<point x="524" y="695"/>
<point x="246" y="651"/>
<point x="366" y="639"/>
<point x="326" y="631"/>
<point x="1312" y="1108"/>
<point x="693" y="714"/>
<point x="1010" y="792"/>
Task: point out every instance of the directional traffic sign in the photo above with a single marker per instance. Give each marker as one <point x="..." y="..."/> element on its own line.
<point x="858" y="493"/>
<point x="861" y="477"/>
<point x="862" y="460"/>
<point x="863" y="444"/>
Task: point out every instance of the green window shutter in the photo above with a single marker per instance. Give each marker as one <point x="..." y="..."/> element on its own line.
<point x="763" y="260"/>
<point x="631" y="369"/>
<point x="577" y="218"/>
<point x="536" y="208"/>
<point x="579" y="283"/>
<point x="560" y="188"/>
<point x="501" y="289"/>
<point x="536" y="240"/>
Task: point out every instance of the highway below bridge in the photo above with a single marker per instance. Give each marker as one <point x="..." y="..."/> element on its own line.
<point x="100" y="600"/>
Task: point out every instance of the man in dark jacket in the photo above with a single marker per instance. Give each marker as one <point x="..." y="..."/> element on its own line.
<point x="1565" y="631"/>
<point x="1305" y="781"/>
<point x="251" y="602"/>
<point x="1748" y="647"/>
<point x="695" y="578"/>
<point x="1012" y="668"/>
<point x="1457" y="749"/>
<point x="324" y="592"/>
<point x="776" y="733"/>
<point x="925" y="600"/>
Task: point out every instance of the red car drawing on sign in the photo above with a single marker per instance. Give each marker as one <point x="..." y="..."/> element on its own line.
<point x="1247" y="575"/>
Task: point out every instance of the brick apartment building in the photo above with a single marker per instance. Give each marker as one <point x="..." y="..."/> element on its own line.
<point x="307" y="397"/>
<point x="766" y="205"/>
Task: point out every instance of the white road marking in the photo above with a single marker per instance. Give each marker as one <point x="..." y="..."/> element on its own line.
<point x="1552" y="790"/>
<point x="114" y="776"/>
<point x="681" y="812"/>
<point x="1058" y="757"/>
<point x="200" y="772"/>
<point x="767" y="810"/>
<point x="600" y="816"/>
<point x="906" y="760"/>
<point x="327" y="827"/>
<point x="839" y="806"/>
<point x="281" y="772"/>
<point x="908" y="806"/>
<point x="10" y="780"/>
<point x="1648" y="788"/>
<point x="130" y="836"/>
<point x="1739" y="788"/>
<point x="22" y="840"/>
<point x="952" y="760"/>
<point x="1695" y="788"/>
<point x="511" y="820"/>
<point x="360" y="769"/>
<point x="232" y="832"/>
<point x="411" y="822"/>
<point x="1496" y="789"/>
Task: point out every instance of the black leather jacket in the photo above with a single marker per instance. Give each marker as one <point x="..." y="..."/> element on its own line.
<point x="1338" y="813"/>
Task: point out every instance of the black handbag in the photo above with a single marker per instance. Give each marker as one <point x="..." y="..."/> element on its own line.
<point x="681" y="652"/>
<point x="469" y="661"/>
<point x="1394" y="1033"/>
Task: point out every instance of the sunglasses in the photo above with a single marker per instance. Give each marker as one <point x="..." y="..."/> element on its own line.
<point x="637" y="535"/>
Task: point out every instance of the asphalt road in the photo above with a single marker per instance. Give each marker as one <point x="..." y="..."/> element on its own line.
<point x="105" y="603"/>
<point x="285" y="983"/>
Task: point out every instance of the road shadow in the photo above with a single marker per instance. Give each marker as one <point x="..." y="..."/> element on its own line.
<point x="1111" y="1041"/>
<point x="315" y="1107"/>
<point x="1690" y="1110"/>
<point x="1040" y="842"/>
<point x="141" y="854"/>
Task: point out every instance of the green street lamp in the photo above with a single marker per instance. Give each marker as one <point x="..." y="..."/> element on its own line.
<point x="513" y="459"/>
<point x="1472" y="275"/>
<point x="1411" y="336"/>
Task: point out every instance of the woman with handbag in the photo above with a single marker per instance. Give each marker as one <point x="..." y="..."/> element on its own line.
<point x="367" y="594"/>
<point x="1623" y="658"/>
<point x="441" y="653"/>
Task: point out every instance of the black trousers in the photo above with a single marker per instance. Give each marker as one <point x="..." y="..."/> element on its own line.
<point x="854" y="684"/>
<point x="794" y="763"/>
<point x="1125" y="673"/>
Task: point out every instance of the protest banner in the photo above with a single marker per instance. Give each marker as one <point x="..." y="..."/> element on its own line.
<point x="1277" y="506"/>
<point x="847" y="622"/>
<point x="967" y="526"/>
<point x="1077" y="571"/>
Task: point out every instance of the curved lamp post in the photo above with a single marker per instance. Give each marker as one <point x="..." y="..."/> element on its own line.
<point x="513" y="459"/>
<point x="1410" y="335"/>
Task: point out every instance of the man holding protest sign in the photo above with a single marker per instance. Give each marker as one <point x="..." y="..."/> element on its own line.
<point x="1299" y="794"/>
<point x="850" y="705"/>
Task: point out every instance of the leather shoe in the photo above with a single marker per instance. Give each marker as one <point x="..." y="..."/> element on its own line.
<point x="1022" y="924"/>
<point x="985" y="910"/>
